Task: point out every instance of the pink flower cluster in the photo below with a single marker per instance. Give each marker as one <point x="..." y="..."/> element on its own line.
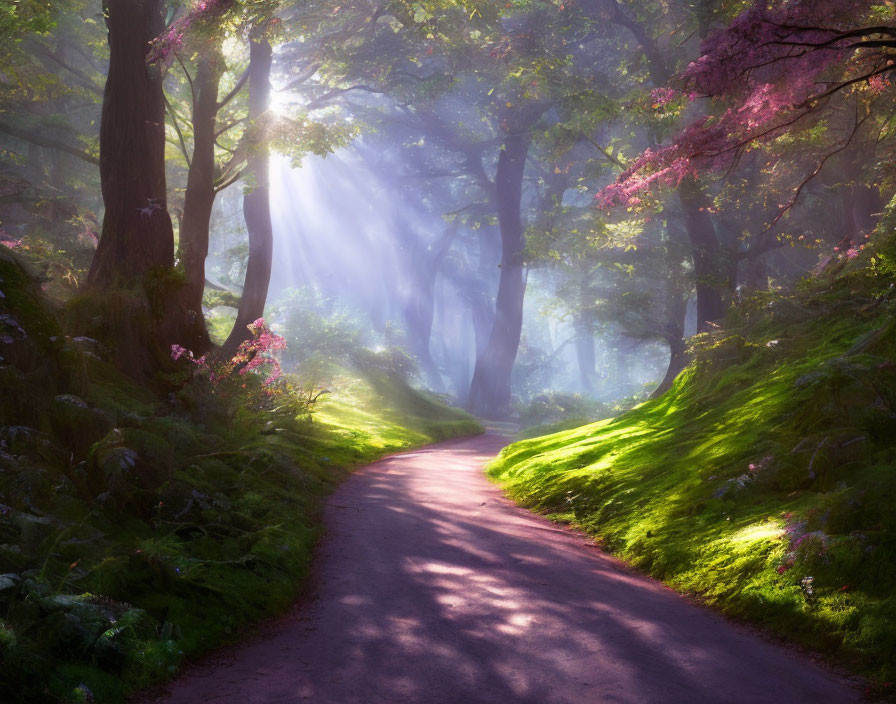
<point x="663" y="96"/>
<point x="795" y="531"/>
<point x="162" y="48"/>
<point x="7" y="240"/>
<point x="669" y="170"/>
<point x="250" y="356"/>
<point x="258" y="351"/>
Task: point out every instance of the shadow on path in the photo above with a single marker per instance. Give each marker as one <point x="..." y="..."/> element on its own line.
<point x="432" y="588"/>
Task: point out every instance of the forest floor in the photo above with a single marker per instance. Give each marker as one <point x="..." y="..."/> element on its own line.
<point x="430" y="586"/>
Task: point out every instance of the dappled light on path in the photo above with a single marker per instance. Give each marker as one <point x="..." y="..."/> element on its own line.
<point x="430" y="587"/>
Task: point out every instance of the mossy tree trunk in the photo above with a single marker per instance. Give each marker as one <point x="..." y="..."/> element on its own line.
<point x="257" y="200"/>
<point x="131" y="276"/>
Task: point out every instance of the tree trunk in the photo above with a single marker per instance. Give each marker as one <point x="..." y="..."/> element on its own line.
<point x="137" y="235"/>
<point x="482" y="306"/>
<point x="199" y="197"/>
<point x="585" y="353"/>
<point x="131" y="279"/>
<point x="710" y="279"/>
<point x="257" y="200"/>
<point x="490" y="387"/>
<point x="678" y="360"/>
<point x="423" y="262"/>
<point x="419" y="312"/>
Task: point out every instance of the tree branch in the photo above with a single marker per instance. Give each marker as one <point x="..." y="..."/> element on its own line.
<point x="83" y="79"/>
<point x="189" y="78"/>
<point x="180" y="135"/>
<point x="42" y="140"/>
<point x="336" y="92"/>
<point x="236" y="89"/>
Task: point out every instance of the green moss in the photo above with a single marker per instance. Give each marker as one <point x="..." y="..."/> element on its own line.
<point x="764" y="479"/>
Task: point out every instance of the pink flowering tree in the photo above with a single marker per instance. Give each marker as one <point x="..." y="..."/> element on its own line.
<point x="205" y="12"/>
<point x="773" y="70"/>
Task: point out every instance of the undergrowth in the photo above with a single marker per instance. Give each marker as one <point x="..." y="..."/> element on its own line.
<point x="765" y="479"/>
<point x="139" y="529"/>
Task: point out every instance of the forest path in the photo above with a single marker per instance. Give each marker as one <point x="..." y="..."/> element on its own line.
<point x="430" y="587"/>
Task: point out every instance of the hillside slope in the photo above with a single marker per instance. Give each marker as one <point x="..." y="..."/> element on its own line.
<point x="138" y="528"/>
<point x="765" y="479"/>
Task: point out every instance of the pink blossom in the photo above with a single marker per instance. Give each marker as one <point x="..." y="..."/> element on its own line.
<point x="166" y="44"/>
<point x="257" y="351"/>
<point x="662" y="96"/>
<point x="753" y="63"/>
<point x="252" y="354"/>
<point x="879" y="84"/>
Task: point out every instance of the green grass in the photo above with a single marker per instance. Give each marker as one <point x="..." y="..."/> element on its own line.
<point x="137" y="528"/>
<point x="802" y="387"/>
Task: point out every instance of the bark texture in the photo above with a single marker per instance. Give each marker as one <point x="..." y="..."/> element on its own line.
<point x="257" y="200"/>
<point x="137" y="234"/>
<point x="424" y="263"/>
<point x="199" y="197"/>
<point x="133" y="292"/>
<point x="490" y="387"/>
<point x="710" y="279"/>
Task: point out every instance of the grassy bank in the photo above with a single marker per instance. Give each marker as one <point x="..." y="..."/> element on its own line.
<point x="139" y="528"/>
<point x="765" y="480"/>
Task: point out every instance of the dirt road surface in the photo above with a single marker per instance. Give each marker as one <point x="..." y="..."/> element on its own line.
<point x="431" y="588"/>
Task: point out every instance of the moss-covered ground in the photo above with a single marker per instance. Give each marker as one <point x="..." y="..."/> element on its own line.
<point x="139" y="528"/>
<point x="765" y="480"/>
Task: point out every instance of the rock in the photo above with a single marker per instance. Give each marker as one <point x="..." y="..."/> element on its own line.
<point x="77" y="425"/>
<point x="72" y="399"/>
<point x="33" y="530"/>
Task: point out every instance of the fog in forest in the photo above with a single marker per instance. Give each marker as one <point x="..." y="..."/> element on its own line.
<point x="348" y="240"/>
<point x="508" y="204"/>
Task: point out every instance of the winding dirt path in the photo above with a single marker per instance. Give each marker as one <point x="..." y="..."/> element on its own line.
<point x="431" y="588"/>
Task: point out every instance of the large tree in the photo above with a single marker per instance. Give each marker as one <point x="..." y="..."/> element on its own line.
<point x="132" y="272"/>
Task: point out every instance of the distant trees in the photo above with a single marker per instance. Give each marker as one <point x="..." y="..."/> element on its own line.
<point x="52" y="67"/>
<point x="478" y="79"/>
